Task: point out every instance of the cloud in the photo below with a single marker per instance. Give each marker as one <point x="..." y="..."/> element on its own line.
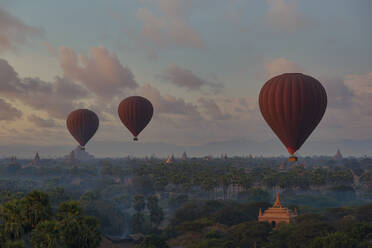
<point x="362" y="88"/>
<point x="338" y="93"/>
<point x="285" y="15"/>
<point x="211" y="109"/>
<point x="14" y="33"/>
<point x="101" y="73"/>
<point x="56" y="98"/>
<point x="40" y="122"/>
<point x="361" y="84"/>
<point x="52" y="51"/>
<point x="277" y="66"/>
<point x="8" y="112"/>
<point x="187" y="79"/>
<point x="171" y="27"/>
<point x="167" y="104"/>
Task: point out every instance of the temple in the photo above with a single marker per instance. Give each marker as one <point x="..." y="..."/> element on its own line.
<point x="170" y="159"/>
<point x="277" y="214"/>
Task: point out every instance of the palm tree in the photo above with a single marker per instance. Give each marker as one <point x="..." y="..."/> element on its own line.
<point x="36" y="208"/>
<point x="11" y="216"/>
<point x="47" y="234"/>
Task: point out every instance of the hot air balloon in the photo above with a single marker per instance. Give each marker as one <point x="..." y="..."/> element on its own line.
<point x="82" y="124"/>
<point x="293" y="104"/>
<point x="135" y="113"/>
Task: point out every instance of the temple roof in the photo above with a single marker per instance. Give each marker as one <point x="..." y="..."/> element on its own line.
<point x="277" y="211"/>
<point x="277" y="203"/>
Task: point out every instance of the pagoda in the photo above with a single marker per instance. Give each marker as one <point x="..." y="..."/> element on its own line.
<point x="36" y="159"/>
<point x="338" y="156"/>
<point x="170" y="160"/>
<point x="277" y="214"/>
<point x="184" y="156"/>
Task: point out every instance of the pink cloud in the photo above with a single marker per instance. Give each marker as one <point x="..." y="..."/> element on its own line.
<point x="171" y="27"/>
<point x="212" y="110"/>
<point x="101" y="72"/>
<point x="167" y="104"/>
<point x="56" y="98"/>
<point x="185" y="78"/>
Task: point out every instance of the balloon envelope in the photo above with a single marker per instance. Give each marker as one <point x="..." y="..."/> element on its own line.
<point x="82" y="124"/>
<point x="293" y="105"/>
<point x="135" y="113"/>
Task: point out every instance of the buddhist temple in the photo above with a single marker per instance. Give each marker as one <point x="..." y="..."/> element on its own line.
<point x="277" y="214"/>
<point x="36" y="159"/>
<point x="184" y="156"/>
<point x="338" y="156"/>
<point x="13" y="160"/>
<point x="170" y="160"/>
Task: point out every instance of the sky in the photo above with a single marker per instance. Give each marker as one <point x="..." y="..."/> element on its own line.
<point x="201" y="63"/>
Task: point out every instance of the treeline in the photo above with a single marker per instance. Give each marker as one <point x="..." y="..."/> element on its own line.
<point x="223" y="224"/>
<point x="30" y="221"/>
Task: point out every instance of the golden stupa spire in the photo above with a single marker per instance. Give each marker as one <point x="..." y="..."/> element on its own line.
<point x="277" y="203"/>
<point x="260" y="213"/>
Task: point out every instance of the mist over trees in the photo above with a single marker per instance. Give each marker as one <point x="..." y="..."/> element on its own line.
<point x="212" y="201"/>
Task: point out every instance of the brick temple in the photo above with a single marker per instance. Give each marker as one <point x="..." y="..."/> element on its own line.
<point x="277" y="214"/>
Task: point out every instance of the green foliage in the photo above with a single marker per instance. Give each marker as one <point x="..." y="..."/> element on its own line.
<point x="153" y="241"/>
<point x="69" y="209"/>
<point x="194" y="226"/>
<point x="177" y="201"/>
<point x="334" y="240"/>
<point x="15" y="244"/>
<point x="258" y="195"/>
<point x="80" y="232"/>
<point x="36" y="208"/>
<point x="138" y="223"/>
<point x="248" y="234"/>
<point x="47" y="234"/>
<point x="33" y="214"/>
<point x="139" y="203"/>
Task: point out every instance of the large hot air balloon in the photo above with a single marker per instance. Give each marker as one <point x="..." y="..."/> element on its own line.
<point x="293" y="105"/>
<point x="135" y="113"/>
<point x="82" y="124"/>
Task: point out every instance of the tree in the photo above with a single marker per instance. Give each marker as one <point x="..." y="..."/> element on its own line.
<point x="334" y="240"/>
<point x="47" y="234"/>
<point x="12" y="218"/>
<point x="36" y="208"/>
<point x="177" y="201"/>
<point x="69" y="209"/>
<point x="138" y="222"/>
<point x="258" y="195"/>
<point x="15" y="244"/>
<point x="139" y="203"/>
<point x="156" y="213"/>
<point x="250" y="234"/>
<point x="78" y="231"/>
<point x="153" y="241"/>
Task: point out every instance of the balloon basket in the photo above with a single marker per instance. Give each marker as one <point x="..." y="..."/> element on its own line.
<point x="292" y="159"/>
<point x="135" y="138"/>
<point x="82" y="148"/>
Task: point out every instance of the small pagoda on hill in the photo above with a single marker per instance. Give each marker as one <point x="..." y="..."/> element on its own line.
<point x="277" y="214"/>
